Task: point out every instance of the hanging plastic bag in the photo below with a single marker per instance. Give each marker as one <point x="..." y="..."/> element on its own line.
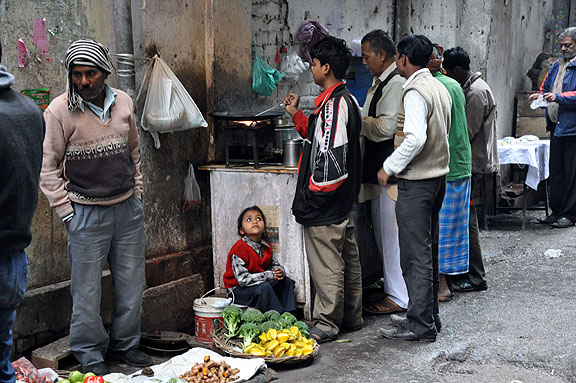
<point x="292" y="65"/>
<point x="264" y="77"/>
<point x="168" y="106"/>
<point x="192" y="198"/>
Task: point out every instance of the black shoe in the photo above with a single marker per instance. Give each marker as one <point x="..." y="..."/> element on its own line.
<point x="133" y="357"/>
<point x="464" y="287"/>
<point x="548" y="220"/>
<point x="398" y="321"/>
<point x="99" y="369"/>
<point x="405" y="334"/>
<point x="562" y="223"/>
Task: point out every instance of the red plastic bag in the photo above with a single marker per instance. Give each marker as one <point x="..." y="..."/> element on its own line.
<point x="26" y="372"/>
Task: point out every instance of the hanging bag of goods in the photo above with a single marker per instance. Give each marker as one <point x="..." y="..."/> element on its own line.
<point x="169" y="107"/>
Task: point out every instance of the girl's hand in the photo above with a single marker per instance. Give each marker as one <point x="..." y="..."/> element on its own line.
<point x="278" y="273"/>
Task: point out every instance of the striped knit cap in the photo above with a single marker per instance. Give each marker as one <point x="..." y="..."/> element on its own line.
<point x="84" y="52"/>
<point x="435" y="62"/>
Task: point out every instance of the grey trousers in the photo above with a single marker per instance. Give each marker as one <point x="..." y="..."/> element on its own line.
<point x="417" y="214"/>
<point x="334" y="264"/>
<point x="113" y="234"/>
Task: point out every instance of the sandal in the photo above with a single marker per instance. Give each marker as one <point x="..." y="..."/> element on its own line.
<point x="320" y="336"/>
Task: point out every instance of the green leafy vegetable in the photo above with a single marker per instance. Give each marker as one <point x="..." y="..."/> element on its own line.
<point x="253" y="316"/>
<point x="303" y="327"/>
<point x="272" y="315"/>
<point x="289" y="317"/>
<point x="232" y="316"/>
<point x="248" y="331"/>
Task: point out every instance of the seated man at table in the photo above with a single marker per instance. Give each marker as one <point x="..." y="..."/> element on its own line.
<point x="559" y="90"/>
<point x="481" y="120"/>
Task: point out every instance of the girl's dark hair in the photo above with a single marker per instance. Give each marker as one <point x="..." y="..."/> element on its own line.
<point x="241" y="218"/>
<point x="333" y="51"/>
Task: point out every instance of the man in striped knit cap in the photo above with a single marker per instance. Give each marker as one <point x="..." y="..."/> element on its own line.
<point x="91" y="177"/>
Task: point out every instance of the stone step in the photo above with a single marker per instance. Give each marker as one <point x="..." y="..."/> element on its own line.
<point x="56" y="355"/>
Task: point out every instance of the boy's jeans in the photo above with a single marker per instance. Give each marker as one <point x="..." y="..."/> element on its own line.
<point x="13" y="283"/>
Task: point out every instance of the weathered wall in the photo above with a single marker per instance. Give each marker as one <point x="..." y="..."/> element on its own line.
<point x="74" y="19"/>
<point x="176" y="31"/>
<point x="276" y="22"/>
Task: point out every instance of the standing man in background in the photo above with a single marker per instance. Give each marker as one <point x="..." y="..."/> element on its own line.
<point x="379" y="122"/>
<point x="420" y="163"/>
<point x="21" y="136"/>
<point x="91" y="176"/>
<point x="454" y="215"/>
<point x="481" y="120"/>
<point x="559" y="89"/>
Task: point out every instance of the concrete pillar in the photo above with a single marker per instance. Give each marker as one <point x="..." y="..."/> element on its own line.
<point x="124" y="45"/>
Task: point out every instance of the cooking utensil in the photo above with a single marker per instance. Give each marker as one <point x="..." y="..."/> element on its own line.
<point x="269" y="109"/>
<point x="245" y="115"/>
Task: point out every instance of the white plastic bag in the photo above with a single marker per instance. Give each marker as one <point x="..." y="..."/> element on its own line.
<point x="292" y="65"/>
<point x="192" y="198"/>
<point x="168" y="106"/>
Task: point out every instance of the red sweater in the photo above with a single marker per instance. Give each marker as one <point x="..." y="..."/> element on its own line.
<point x="252" y="261"/>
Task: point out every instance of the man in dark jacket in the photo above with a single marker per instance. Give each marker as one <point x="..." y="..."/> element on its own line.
<point x="559" y="89"/>
<point x="329" y="179"/>
<point x="21" y="136"/>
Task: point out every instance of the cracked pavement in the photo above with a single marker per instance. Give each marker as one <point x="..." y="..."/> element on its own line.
<point x="520" y="330"/>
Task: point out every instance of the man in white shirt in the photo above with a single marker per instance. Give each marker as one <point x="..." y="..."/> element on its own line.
<point x="420" y="163"/>
<point x="379" y="121"/>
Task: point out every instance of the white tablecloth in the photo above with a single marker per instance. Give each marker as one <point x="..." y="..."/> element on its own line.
<point x="535" y="154"/>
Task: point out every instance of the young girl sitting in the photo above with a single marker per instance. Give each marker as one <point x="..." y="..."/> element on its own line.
<point x="256" y="277"/>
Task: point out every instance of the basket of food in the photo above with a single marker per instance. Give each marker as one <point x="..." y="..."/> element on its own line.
<point x="276" y="338"/>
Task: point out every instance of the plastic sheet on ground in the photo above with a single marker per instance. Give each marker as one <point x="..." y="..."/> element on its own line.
<point x="181" y="363"/>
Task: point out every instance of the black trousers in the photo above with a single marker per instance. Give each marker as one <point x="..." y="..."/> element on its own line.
<point x="269" y="295"/>
<point x="417" y="210"/>
<point x="563" y="176"/>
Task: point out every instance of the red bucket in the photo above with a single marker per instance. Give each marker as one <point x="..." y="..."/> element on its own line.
<point x="208" y="316"/>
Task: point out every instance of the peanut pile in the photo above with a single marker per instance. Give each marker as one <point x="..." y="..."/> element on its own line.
<point x="210" y="372"/>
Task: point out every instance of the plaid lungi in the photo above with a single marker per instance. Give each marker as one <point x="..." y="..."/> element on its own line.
<point x="453" y="245"/>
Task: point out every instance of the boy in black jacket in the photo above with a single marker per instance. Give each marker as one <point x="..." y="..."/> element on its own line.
<point x="329" y="179"/>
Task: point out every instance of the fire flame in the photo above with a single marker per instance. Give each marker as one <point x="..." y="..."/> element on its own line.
<point x="247" y="123"/>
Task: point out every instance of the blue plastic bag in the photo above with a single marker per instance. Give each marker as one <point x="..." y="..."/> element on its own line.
<point x="264" y="77"/>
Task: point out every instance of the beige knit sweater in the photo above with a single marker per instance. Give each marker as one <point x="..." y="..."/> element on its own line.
<point x="88" y="161"/>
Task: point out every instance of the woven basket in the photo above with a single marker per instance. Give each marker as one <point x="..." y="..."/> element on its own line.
<point x="231" y="345"/>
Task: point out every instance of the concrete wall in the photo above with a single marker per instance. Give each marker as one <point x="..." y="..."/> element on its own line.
<point x="74" y="19"/>
<point x="282" y="18"/>
<point x="503" y="38"/>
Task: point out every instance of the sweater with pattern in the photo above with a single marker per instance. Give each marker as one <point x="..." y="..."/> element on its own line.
<point x="87" y="160"/>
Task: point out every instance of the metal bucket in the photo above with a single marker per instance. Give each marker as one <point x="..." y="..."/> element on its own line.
<point x="292" y="149"/>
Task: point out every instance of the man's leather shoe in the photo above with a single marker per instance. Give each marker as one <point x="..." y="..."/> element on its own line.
<point x="133" y="357"/>
<point x="99" y="369"/>
<point x="397" y="320"/>
<point x="548" y="220"/>
<point x="464" y="287"/>
<point x="405" y="334"/>
<point x="562" y="223"/>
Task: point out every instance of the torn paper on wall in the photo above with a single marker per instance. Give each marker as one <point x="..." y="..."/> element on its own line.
<point x="22" y="53"/>
<point x="40" y="38"/>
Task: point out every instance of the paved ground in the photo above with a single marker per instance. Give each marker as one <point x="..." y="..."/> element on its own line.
<point x="521" y="330"/>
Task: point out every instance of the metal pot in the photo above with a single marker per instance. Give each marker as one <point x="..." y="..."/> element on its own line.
<point x="292" y="150"/>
